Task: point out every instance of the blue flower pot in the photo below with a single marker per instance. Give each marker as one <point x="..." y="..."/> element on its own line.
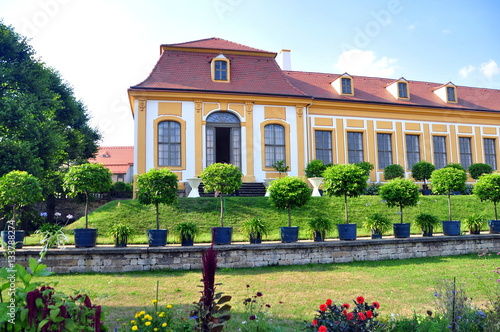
<point x="347" y="231"/>
<point x="451" y="227"/>
<point x="401" y="230"/>
<point x="18" y="239"/>
<point x="289" y="234"/>
<point x="222" y="235"/>
<point x="157" y="237"/>
<point x="85" y="237"/>
<point x="494" y="226"/>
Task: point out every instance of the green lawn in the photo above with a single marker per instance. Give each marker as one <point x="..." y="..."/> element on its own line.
<point x="205" y="211"/>
<point x="401" y="286"/>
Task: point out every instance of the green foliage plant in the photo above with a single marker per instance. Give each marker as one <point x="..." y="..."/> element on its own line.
<point x="478" y="169"/>
<point x="487" y="188"/>
<point x="120" y="233"/>
<point x="254" y="226"/>
<point x="39" y="307"/>
<point x="367" y="166"/>
<point x="155" y="187"/>
<point x="288" y="193"/>
<point x="187" y="229"/>
<point x="345" y="181"/>
<point x="377" y="223"/>
<point x="19" y="189"/>
<point x="315" y="169"/>
<point x="394" y="171"/>
<point x="456" y="166"/>
<point x="447" y="180"/>
<point x="422" y="170"/>
<point x="475" y="222"/>
<point x="281" y="167"/>
<point x="320" y="224"/>
<point x="122" y="187"/>
<point x="51" y="235"/>
<point x="87" y="179"/>
<point x="224" y="179"/>
<point x="426" y="222"/>
<point x="400" y="193"/>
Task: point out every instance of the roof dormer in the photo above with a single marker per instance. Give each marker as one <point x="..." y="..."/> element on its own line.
<point x="447" y="92"/>
<point x="221" y="69"/>
<point x="400" y="89"/>
<point x="344" y="85"/>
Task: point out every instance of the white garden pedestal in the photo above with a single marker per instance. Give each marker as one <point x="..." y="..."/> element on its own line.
<point x="315" y="182"/>
<point x="194" y="183"/>
<point x="267" y="182"/>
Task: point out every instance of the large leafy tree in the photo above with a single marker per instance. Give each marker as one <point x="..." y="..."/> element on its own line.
<point x="42" y="125"/>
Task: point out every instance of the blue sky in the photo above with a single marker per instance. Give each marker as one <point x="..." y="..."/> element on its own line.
<point x="101" y="47"/>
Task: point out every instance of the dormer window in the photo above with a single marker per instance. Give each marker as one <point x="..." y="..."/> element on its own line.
<point x="220" y="69"/>
<point x="399" y="89"/>
<point x="447" y="92"/>
<point x="403" y="90"/>
<point x="344" y="85"/>
<point x="450" y="94"/>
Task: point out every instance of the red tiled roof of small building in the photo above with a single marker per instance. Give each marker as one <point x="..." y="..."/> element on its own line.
<point x="216" y="43"/>
<point x="116" y="158"/>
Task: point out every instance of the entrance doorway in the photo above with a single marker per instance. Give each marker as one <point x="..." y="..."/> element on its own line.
<point x="223" y="139"/>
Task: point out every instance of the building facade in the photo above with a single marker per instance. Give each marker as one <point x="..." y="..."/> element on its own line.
<point x="212" y="100"/>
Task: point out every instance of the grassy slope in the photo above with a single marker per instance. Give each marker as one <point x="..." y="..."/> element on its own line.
<point x="205" y="211"/>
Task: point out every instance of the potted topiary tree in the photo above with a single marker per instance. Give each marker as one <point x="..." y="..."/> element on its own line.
<point x="394" y="171"/>
<point x="255" y="228"/>
<point x="155" y="187"/>
<point x="421" y="171"/>
<point x="426" y="222"/>
<point x="478" y="169"/>
<point x="400" y="193"/>
<point x="86" y="179"/>
<point x="223" y="179"/>
<point x="446" y="181"/>
<point x="377" y="224"/>
<point x="281" y="167"/>
<point x="487" y="188"/>
<point x="17" y="189"/>
<point x="345" y="181"/>
<point x="288" y="193"/>
<point x="314" y="173"/>
<point x="367" y="166"/>
<point x="319" y="226"/>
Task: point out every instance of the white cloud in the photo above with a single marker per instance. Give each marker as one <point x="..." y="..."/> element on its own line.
<point x="466" y="71"/>
<point x="366" y="63"/>
<point x="489" y="69"/>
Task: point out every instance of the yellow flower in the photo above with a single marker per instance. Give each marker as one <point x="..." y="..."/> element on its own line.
<point x="148" y="317"/>
<point x="134" y="328"/>
<point x="154" y="301"/>
<point x="162" y="314"/>
<point x="147" y="323"/>
<point x="169" y="306"/>
<point x="132" y="322"/>
<point x="164" y="325"/>
<point x="155" y="329"/>
<point x="142" y="313"/>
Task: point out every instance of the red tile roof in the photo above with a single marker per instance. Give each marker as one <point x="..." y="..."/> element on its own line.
<point x="118" y="159"/>
<point x="186" y="67"/>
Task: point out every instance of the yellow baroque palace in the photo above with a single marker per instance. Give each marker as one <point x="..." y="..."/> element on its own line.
<point x="213" y="100"/>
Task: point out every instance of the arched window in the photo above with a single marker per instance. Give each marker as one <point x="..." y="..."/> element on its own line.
<point x="169" y="143"/>
<point x="274" y="142"/>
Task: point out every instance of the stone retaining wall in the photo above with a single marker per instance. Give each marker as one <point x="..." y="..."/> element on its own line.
<point x="139" y="258"/>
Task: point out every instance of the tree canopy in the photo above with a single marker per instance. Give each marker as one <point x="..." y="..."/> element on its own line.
<point x="42" y="124"/>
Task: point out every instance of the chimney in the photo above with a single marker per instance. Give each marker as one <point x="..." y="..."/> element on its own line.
<point x="284" y="60"/>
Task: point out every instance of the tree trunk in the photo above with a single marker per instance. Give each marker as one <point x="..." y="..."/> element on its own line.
<point x="346" y="210"/>
<point x="496" y="215"/>
<point x="157" y="216"/>
<point x="289" y="217"/>
<point x="449" y="204"/>
<point x="401" y="212"/>
<point x="221" y="217"/>
<point x="86" y="209"/>
<point x="50" y="204"/>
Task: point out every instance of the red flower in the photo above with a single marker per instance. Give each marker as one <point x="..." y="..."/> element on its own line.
<point x="350" y="316"/>
<point x="314" y="322"/>
<point x="360" y="299"/>
<point x="328" y="302"/>
<point x="322" y="328"/>
<point x="376" y="305"/>
<point x="361" y="316"/>
<point x="346" y="305"/>
<point x="369" y="314"/>
<point x="322" y="307"/>
<point x="344" y="312"/>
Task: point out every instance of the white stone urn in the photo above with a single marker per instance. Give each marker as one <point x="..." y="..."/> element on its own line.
<point x="315" y="182"/>
<point x="194" y="183"/>
<point x="267" y="182"/>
